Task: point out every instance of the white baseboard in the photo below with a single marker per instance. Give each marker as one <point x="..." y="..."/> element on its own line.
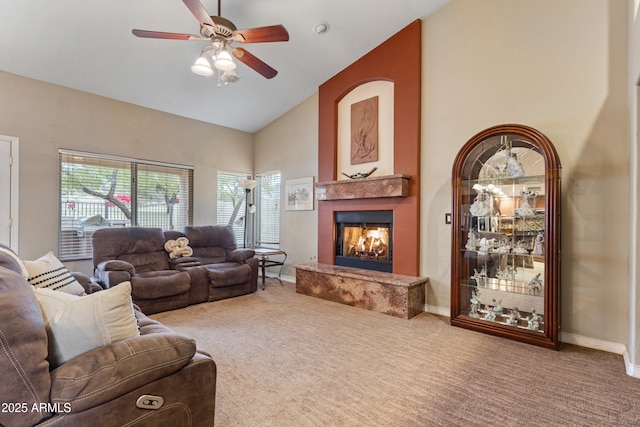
<point x="283" y="277"/>
<point x="632" y="370"/>
<point x="596" y="344"/>
<point x="440" y="311"/>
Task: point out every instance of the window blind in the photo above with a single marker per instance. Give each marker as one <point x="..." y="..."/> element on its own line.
<point x="231" y="203"/>
<point x="104" y="191"/>
<point x="268" y="209"/>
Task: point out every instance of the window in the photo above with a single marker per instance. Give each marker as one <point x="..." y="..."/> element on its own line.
<point x="268" y="210"/>
<point x="103" y="191"/>
<point x="231" y="200"/>
<point x="264" y="216"/>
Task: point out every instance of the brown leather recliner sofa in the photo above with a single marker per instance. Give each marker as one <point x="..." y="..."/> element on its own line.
<point x="137" y="255"/>
<point x="217" y="269"/>
<point x="103" y="385"/>
<point x="230" y="271"/>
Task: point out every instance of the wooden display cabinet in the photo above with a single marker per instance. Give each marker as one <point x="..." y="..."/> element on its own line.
<point x="505" y="252"/>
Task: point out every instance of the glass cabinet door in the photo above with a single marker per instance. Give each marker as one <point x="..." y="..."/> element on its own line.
<point x="505" y="237"/>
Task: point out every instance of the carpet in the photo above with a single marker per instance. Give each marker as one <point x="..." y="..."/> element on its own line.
<point x="286" y="359"/>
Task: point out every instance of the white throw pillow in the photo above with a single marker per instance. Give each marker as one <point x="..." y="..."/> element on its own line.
<point x="48" y="272"/>
<point x="77" y="324"/>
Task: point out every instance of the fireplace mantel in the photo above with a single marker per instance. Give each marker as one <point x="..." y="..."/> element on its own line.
<point x="364" y="188"/>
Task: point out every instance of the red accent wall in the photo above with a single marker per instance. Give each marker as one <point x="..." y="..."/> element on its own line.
<point x="398" y="60"/>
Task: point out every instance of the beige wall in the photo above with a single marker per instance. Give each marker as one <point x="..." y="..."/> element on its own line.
<point x="557" y="66"/>
<point x="47" y="117"/>
<point x="290" y="145"/>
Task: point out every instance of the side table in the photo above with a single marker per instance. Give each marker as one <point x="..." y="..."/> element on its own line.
<point x="265" y="259"/>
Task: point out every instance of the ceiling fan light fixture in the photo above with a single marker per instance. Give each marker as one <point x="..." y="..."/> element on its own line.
<point x="224" y="62"/>
<point x="202" y="67"/>
<point x="230" y="76"/>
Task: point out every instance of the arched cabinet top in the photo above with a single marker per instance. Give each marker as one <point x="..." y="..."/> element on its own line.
<point x="486" y="144"/>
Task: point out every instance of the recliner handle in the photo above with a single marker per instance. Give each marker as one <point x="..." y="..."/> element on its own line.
<point x="148" y="401"/>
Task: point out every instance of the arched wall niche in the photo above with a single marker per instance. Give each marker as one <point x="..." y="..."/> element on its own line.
<point x="382" y="91"/>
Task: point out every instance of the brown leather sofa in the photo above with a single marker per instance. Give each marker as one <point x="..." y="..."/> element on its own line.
<point x="103" y="386"/>
<point x="230" y="271"/>
<point x="217" y="269"/>
<point x="137" y="255"/>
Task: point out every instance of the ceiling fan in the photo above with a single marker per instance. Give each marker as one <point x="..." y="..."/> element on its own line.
<point x="222" y="34"/>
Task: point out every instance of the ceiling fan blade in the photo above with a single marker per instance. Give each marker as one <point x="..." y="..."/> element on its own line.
<point x="201" y="14"/>
<point x="252" y="61"/>
<point x="271" y="33"/>
<point x="164" y="35"/>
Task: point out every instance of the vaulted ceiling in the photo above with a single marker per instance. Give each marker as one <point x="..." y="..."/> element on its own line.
<point x="89" y="46"/>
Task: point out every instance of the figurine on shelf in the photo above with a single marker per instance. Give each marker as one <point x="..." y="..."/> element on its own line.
<point x="535" y="285"/>
<point x="533" y="322"/>
<point x="502" y="167"/>
<point x="511" y="166"/>
<point x="497" y="307"/>
<point x="486" y="245"/>
<point x="490" y="315"/>
<point x="504" y="247"/>
<point x="515" y="167"/>
<point x="514" y="316"/>
<point x="472" y="241"/>
<point x="538" y="246"/>
<point x="508" y="275"/>
<point x="521" y="248"/>
<point x="481" y="205"/>
<point x="502" y="275"/>
<point x="526" y="207"/>
<point x="480" y="277"/>
<point x="475" y="303"/>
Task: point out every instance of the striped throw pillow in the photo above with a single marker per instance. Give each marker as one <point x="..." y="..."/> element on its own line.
<point x="49" y="273"/>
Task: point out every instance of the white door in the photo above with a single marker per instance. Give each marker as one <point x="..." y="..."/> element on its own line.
<point x="9" y="191"/>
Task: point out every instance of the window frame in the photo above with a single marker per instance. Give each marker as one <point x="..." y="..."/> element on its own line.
<point x="225" y="216"/>
<point x="265" y="212"/>
<point x="73" y="244"/>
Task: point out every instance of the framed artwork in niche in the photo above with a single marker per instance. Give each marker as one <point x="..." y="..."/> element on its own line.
<point x="299" y="194"/>
<point x="364" y="131"/>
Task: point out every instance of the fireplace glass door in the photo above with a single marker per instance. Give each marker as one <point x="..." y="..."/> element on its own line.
<point x="364" y="240"/>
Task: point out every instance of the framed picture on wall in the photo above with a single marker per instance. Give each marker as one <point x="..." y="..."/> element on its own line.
<point x="299" y="194"/>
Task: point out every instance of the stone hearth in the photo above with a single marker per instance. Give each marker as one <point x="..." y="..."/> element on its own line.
<point x="392" y="294"/>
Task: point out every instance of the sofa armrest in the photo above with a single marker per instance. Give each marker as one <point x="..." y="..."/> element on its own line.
<point x="113" y="370"/>
<point x="184" y="262"/>
<point x="116" y="265"/>
<point x="89" y="285"/>
<point x="112" y="272"/>
<point x="240" y="255"/>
